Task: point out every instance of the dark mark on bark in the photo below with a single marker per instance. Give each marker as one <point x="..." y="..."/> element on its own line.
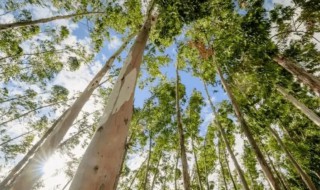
<point x="96" y="168"/>
<point x="100" y="129"/>
<point x="126" y="121"/>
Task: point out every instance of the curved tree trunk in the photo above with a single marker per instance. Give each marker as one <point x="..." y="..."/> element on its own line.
<point x="225" y="139"/>
<point x="305" y="177"/>
<point x="264" y="166"/>
<point x="28" y="177"/>
<point x="305" y="77"/>
<point x="101" y="162"/>
<point x="43" y="20"/>
<point x="185" y="173"/>
<point x="303" y="108"/>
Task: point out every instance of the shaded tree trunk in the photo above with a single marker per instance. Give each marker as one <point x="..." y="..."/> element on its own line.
<point x="43" y="20"/>
<point x="221" y="166"/>
<point x="196" y="163"/>
<point x="228" y="167"/>
<point x="264" y="166"/>
<point x="277" y="173"/>
<point x="225" y="139"/>
<point x="28" y="177"/>
<point x="305" y="177"/>
<point x="303" y="108"/>
<point x="101" y="162"/>
<point x="305" y="77"/>
<point x="185" y="173"/>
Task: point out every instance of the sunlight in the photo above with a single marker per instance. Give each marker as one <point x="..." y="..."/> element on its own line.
<point x="53" y="165"/>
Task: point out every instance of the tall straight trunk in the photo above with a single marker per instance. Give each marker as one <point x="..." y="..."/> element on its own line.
<point x="229" y="170"/>
<point x="156" y="174"/>
<point x="43" y="20"/>
<point x="101" y="162"/>
<point x="221" y="166"/>
<point x="17" y="168"/>
<point x="145" y="182"/>
<point x="303" y="108"/>
<point x="277" y="173"/>
<point x="205" y="161"/>
<point x="196" y="163"/>
<point x="305" y="177"/>
<point x="185" y="173"/>
<point x="175" y="172"/>
<point x="264" y="166"/>
<point x="226" y="141"/>
<point x="305" y="77"/>
<point x="28" y="177"/>
<point x="123" y="159"/>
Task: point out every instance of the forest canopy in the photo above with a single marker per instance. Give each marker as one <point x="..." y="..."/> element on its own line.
<point x="160" y="94"/>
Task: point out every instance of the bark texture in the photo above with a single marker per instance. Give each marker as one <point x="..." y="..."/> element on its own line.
<point x="305" y="77"/>
<point x="30" y="173"/>
<point x="101" y="162"/>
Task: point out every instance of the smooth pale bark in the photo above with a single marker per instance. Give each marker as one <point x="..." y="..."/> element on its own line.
<point x="101" y="162"/>
<point x="305" y="177"/>
<point x="17" y="168"/>
<point x="197" y="165"/>
<point x="305" y="77"/>
<point x="303" y="108"/>
<point x="226" y="141"/>
<point x="145" y="182"/>
<point x="43" y="20"/>
<point x="183" y="154"/>
<point x="229" y="170"/>
<point x="221" y="166"/>
<point x="29" y="176"/>
<point x="262" y="161"/>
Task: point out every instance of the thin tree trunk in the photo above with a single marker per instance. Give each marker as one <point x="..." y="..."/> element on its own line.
<point x="305" y="77"/>
<point x="14" y="138"/>
<point x="175" y="172"/>
<point x="303" y="108"/>
<point x="225" y="139"/>
<point x="264" y="166"/>
<point x="5" y="184"/>
<point x="229" y="170"/>
<point x="196" y="163"/>
<point x="148" y="163"/>
<point x="277" y="173"/>
<point x="205" y="161"/>
<point x="305" y="177"/>
<point x="28" y="177"/>
<point x="101" y="162"/>
<point x="43" y="20"/>
<point x="66" y="185"/>
<point x="221" y="166"/>
<point x="156" y="174"/>
<point x="136" y="174"/>
<point x="184" y="161"/>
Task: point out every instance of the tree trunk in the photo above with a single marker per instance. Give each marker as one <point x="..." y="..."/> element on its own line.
<point x="303" y="108"/>
<point x="28" y="177"/>
<point x="221" y="166"/>
<point x="277" y="173"/>
<point x="264" y="166"/>
<point x="225" y="139"/>
<point x="145" y="182"/>
<point x="185" y="173"/>
<point x="175" y="172"/>
<point x="205" y="161"/>
<point x="305" y="77"/>
<point x="305" y="177"/>
<point x="14" y="138"/>
<point x="156" y="174"/>
<point x="101" y="162"/>
<point x="43" y="20"/>
<point x="196" y="163"/>
<point x="17" y="168"/>
<point x="229" y="170"/>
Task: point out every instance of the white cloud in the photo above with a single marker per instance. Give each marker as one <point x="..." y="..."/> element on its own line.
<point x="114" y="43"/>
